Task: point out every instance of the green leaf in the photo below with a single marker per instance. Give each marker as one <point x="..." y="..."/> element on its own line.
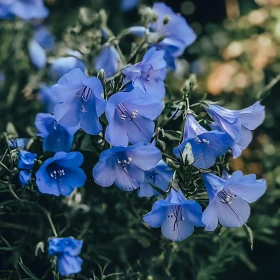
<point x="250" y="235"/>
<point x="173" y="135"/>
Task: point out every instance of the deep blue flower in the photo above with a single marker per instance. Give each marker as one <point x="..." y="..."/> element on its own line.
<point x="238" y="124"/>
<point x="130" y="116"/>
<point x="47" y="98"/>
<point x="170" y="33"/>
<point x="228" y="199"/>
<point x="79" y="100"/>
<point x="206" y="145"/>
<point x="67" y="251"/>
<point x="158" y="176"/>
<point x="128" y="5"/>
<point x="25" y="9"/>
<point x="63" y="65"/>
<point x="125" y="166"/>
<point x="42" y="41"/>
<point x="108" y="60"/>
<point x="176" y="216"/>
<point x="24" y="177"/>
<point x="26" y="160"/>
<point x="18" y="143"/>
<point x="57" y="138"/>
<point x="61" y="174"/>
<point x="148" y="74"/>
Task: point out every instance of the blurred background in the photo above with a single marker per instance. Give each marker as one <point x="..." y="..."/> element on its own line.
<point x="235" y="57"/>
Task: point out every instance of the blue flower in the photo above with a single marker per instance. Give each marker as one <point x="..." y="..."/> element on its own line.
<point x="170" y="33"/>
<point x="25" y="164"/>
<point x="128" y="5"/>
<point x="79" y="100"/>
<point x="125" y="166"/>
<point x="67" y="251"/>
<point x="158" y="176"/>
<point x="130" y="116"/>
<point x="25" y="9"/>
<point x="43" y="40"/>
<point x="63" y="65"/>
<point x="176" y="216"/>
<point x="47" y="98"/>
<point x="56" y="137"/>
<point x="229" y="199"/>
<point x="18" y="143"/>
<point x="61" y="174"/>
<point x="206" y="145"/>
<point x="108" y="60"/>
<point x="238" y="124"/>
<point x="148" y="74"/>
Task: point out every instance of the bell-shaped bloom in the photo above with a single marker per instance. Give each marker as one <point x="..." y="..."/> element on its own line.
<point x="206" y="145"/>
<point x="108" y="60"/>
<point x="125" y="166"/>
<point x="128" y="5"/>
<point x="158" y="176"/>
<point x="238" y="124"/>
<point x="67" y="251"/>
<point x="131" y="117"/>
<point x="170" y="33"/>
<point x="176" y="216"/>
<point x="57" y="138"/>
<point x="25" y="164"/>
<point x="61" y="174"/>
<point x="42" y="41"/>
<point x="79" y="101"/>
<point x="63" y="65"/>
<point x="24" y="9"/>
<point x="47" y="98"/>
<point x="149" y="75"/>
<point x="229" y="198"/>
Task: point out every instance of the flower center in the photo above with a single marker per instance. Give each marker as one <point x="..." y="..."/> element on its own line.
<point x="124" y="162"/>
<point x="177" y="213"/>
<point x="56" y="172"/>
<point x="125" y="113"/>
<point x="226" y="196"/>
<point x="84" y="95"/>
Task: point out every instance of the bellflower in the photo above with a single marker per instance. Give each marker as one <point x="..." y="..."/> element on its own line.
<point x="47" y="98"/>
<point x="42" y="41"/>
<point x="130" y="116"/>
<point x="56" y="137"/>
<point x="25" y="9"/>
<point x="67" y="251"/>
<point x="25" y="164"/>
<point x="158" y="176"/>
<point x="108" y="60"/>
<point x="125" y="166"/>
<point x="63" y="65"/>
<point x="79" y="100"/>
<point x="229" y="199"/>
<point x="170" y="33"/>
<point x="149" y="75"/>
<point x="238" y="124"/>
<point x="61" y="174"/>
<point x="206" y="145"/>
<point x="176" y="216"/>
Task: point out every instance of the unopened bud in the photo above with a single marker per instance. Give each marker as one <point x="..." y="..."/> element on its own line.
<point x="166" y="19"/>
<point x="102" y="76"/>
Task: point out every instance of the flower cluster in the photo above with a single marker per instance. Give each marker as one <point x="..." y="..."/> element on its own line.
<point x="124" y="119"/>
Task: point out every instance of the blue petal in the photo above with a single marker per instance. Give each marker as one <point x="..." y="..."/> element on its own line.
<point x="24" y="177"/>
<point x="139" y="31"/>
<point x="210" y="217"/>
<point x="193" y="211"/>
<point x="69" y="265"/>
<point x="26" y="160"/>
<point x="69" y="160"/>
<point x="37" y="54"/>
<point x="67" y="245"/>
<point x="104" y="174"/>
<point x="44" y="38"/>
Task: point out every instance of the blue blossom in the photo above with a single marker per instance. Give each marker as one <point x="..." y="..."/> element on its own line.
<point x="56" y="137"/>
<point x="149" y="75"/>
<point x="63" y="65"/>
<point x="25" y="164"/>
<point x="25" y="9"/>
<point x="158" y="176"/>
<point x="229" y="198"/>
<point x="108" y="60"/>
<point x="61" y="174"/>
<point x="125" y="166"/>
<point x="24" y="177"/>
<point x="43" y="40"/>
<point x="238" y="124"/>
<point x="176" y="216"/>
<point x="128" y="5"/>
<point x="79" y="101"/>
<point x="47" y="98"/>
<point x="67" y="251"/>
<point x="206" y="145"/>
<point x="170" y="33"/>
<point x="130" y="116"/>
<point x="18" y="143"/>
